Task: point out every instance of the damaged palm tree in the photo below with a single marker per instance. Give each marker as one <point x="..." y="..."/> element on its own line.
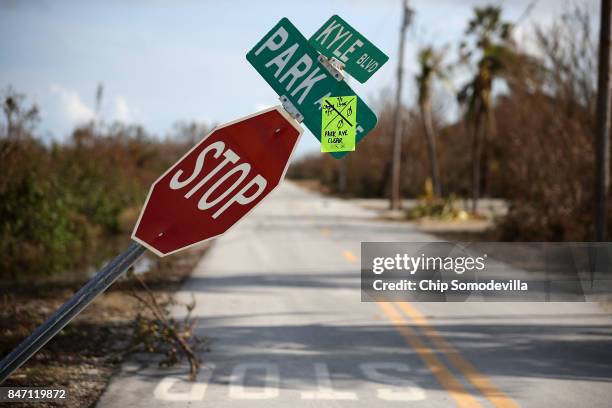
<point x="430" y="67"/>
<point x="492" y="45"/>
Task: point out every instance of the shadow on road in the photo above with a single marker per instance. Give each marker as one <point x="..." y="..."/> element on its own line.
<point x="254" y="282"/>
<point x="509" y="350"/>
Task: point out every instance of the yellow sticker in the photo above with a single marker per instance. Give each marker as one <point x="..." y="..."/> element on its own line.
<point x="339" y="123"/>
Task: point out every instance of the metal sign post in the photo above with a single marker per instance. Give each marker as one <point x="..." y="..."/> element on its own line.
<point x="69" y="310"/>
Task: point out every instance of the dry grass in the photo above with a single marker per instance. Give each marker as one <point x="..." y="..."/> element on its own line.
<point x="84" y="355"/>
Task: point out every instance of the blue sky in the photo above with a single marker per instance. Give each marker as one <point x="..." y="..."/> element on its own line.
<point x="166" y="61"/>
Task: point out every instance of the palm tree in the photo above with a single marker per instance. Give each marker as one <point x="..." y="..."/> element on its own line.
<point x="491" y="46"/>
<point x="430" y="66"/>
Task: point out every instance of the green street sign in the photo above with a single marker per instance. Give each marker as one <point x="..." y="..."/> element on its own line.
<point x="338" y="39"/>
<point x="290" y="65"/>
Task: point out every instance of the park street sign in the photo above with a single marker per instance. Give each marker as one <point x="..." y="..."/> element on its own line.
<point x="337" y="39"/>
<point x="291" y="67"/>
<point x="217" y="182"/>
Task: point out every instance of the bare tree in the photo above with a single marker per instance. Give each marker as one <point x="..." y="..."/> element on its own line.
<point x="430" y="66"/>
<point x="492" y="38"/>
<point x="20" y="120"/>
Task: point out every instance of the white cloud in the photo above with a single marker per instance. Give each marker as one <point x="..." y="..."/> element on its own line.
<point x="71" y="106"/>
<point x="72" y="111"/>
<point x="122" y="111"/>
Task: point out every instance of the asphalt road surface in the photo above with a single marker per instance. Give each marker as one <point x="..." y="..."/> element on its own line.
<point x="279" y="297"/>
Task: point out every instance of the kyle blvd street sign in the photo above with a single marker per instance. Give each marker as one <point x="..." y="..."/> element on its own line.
<point x="337" y="39"/>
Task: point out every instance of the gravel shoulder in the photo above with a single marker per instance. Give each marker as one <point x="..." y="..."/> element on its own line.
<point x="86" y="353"/>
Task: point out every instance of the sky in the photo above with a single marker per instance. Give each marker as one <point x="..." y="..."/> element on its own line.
<point x="167" y="61"/>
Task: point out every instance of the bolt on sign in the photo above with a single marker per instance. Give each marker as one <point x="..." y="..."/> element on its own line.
<point x="337" y="39"/>
<point x="338" y="124"/>
<point x="217" y="182"/>
<point x="291" y="67"/>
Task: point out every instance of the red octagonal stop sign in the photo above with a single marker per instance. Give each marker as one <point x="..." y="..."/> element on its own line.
<point x="217" y="182"/>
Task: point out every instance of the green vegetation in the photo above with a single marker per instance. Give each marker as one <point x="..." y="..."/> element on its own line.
<point x="431" y="205"/>
<point x="61" y="205"/>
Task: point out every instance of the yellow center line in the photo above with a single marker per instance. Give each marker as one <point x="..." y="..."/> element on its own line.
<point x="444" y="376"/>
<point x="325" y="232"/>
<point x="349" y="256"/>
<point x="489" y="390"/>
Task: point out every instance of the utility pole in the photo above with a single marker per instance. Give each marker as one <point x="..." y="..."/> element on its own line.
<point x="342" y="181"/>
<point x="397" y="128"/>
<point x="602" y="136"/>
<point x="342" y="168"/>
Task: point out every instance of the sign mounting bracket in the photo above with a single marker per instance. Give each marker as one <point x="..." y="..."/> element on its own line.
<point x="291" y="109"/>
<point x="335" y="67"/>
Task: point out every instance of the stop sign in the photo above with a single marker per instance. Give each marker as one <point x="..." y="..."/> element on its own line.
<point x="217" y="182"/>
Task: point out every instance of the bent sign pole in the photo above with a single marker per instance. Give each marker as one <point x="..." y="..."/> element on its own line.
<point x="206" y="192"/>
<point x="69" y="310"/>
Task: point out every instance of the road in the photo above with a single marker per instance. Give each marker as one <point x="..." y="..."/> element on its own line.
<point x="279" y="297"/>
